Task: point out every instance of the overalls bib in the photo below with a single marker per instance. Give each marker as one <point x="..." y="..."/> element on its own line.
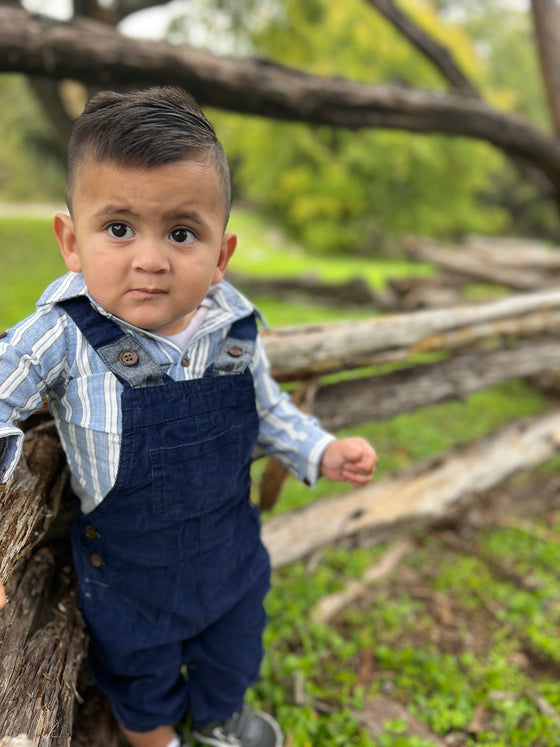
<point x="172" y="571"/>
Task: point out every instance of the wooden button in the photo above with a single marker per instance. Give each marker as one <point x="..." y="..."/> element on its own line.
<point x="90" y="532"/>
<point x="185" y="361"/>
<point x="3" y="334"/>
<point x="128" y="358"/>
<point x="235" y="351"/>
<point x="96" y="560"/>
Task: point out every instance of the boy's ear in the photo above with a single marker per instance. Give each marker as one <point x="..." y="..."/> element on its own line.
<point x="66" y="236"/>
<point x="229" y="243"/>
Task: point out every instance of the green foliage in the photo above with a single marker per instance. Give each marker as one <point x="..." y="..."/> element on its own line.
<point x="348" y="191"/>
<point x="27" y="171"/>
<point x="444" y="689"/>
<point x="339" y="190"/>
<point x="264" y="250"/>
<point x="483" y="670"/>
<point x="505" y="40"/>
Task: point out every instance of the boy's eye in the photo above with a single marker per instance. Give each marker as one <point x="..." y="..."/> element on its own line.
<point x="182" y="235"/>
<point x="119" y="230"/>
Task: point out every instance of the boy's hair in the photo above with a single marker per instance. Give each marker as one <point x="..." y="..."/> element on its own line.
<point x="144" y="129"/>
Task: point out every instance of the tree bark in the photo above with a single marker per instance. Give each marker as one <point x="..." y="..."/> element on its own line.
<point x="417" y="498"/>
<point x="41" y="650"/>
<point x="30" y="501"/>
<point x="94" y="53"/>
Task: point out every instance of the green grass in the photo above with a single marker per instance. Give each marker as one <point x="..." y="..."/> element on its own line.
<point x="30" y="260"/>
<point x="390" y="643"/>
<point x="265" y="251"/>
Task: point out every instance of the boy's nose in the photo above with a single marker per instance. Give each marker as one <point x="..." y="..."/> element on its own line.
<point x="150" y="256"/>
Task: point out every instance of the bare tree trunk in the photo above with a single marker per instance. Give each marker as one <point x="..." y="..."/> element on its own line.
<point x="546" y="22"/>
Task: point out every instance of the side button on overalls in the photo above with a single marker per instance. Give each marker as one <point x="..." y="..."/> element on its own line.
<point x="172" y="571"/>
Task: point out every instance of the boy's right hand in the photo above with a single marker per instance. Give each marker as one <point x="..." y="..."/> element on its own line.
<point x="3" y="598"/>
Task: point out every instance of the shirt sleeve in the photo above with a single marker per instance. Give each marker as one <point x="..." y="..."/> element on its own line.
<point x="295" y="439"/>
<point x="31" y="359"/>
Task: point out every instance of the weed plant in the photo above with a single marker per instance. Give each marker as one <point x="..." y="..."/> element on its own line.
<point x="467" y="640"/>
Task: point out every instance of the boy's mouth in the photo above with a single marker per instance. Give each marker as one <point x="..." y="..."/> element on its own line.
<point x="146" y="292"/>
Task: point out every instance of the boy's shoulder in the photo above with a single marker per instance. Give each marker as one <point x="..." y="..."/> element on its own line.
<point x="70" y="285"/>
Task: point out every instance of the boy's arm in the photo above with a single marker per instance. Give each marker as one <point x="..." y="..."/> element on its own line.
<point x="298" y="441"/>
<point x="32" y="357"/>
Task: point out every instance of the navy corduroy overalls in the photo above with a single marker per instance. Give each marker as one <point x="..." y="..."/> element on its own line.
<point x="172" y="571"/>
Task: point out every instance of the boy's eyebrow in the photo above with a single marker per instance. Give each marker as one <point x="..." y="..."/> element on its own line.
<point x="109" y="211"/>
<point x="184" y="215"/>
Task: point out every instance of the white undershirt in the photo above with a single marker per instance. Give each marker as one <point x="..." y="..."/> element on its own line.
<point x="182" y="338"/>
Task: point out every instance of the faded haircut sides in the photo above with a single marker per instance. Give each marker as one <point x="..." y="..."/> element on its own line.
<point x="144" y="129"/>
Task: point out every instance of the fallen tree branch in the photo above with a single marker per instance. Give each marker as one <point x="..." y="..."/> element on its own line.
<point x="299" y="352"/>
<point x="416" y="498"/>
<point x="353" y="292"/>
<point x="20" y="741"/>
<point x="479" y="267"/>
<point x="514" y="252"/>
<point x="348" y="403"/>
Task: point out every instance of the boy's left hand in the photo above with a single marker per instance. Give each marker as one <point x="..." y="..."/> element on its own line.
<point x="350" y="460"/>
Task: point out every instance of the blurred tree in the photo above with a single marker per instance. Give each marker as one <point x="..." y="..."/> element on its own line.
<point x="26" y="141"/>
<point x="340" y="190"/>
<point x="327" y="41"/>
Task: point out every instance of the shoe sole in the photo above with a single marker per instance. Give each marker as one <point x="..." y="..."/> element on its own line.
<point x="211" y="742"/>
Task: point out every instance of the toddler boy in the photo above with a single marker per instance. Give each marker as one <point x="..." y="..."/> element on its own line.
<point x="160" y="389"/>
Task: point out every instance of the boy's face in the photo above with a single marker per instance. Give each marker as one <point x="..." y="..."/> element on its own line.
<point x="149" y="242"/>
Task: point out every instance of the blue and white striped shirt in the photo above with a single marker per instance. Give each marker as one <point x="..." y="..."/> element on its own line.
<point x="47" y="357"/>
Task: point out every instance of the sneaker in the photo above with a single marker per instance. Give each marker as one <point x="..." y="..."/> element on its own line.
<point x="248" y="728"/>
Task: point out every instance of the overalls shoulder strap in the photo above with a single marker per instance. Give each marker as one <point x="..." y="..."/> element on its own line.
<point x="237" y="349"/>
<point x="119" y="350"/>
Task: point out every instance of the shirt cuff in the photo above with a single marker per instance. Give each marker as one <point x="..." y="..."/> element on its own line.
<point x="11" y="441"/>
<point x="314" y="460"/>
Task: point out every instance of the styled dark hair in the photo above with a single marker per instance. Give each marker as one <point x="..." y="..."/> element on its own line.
<point x="144" y="129"/>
